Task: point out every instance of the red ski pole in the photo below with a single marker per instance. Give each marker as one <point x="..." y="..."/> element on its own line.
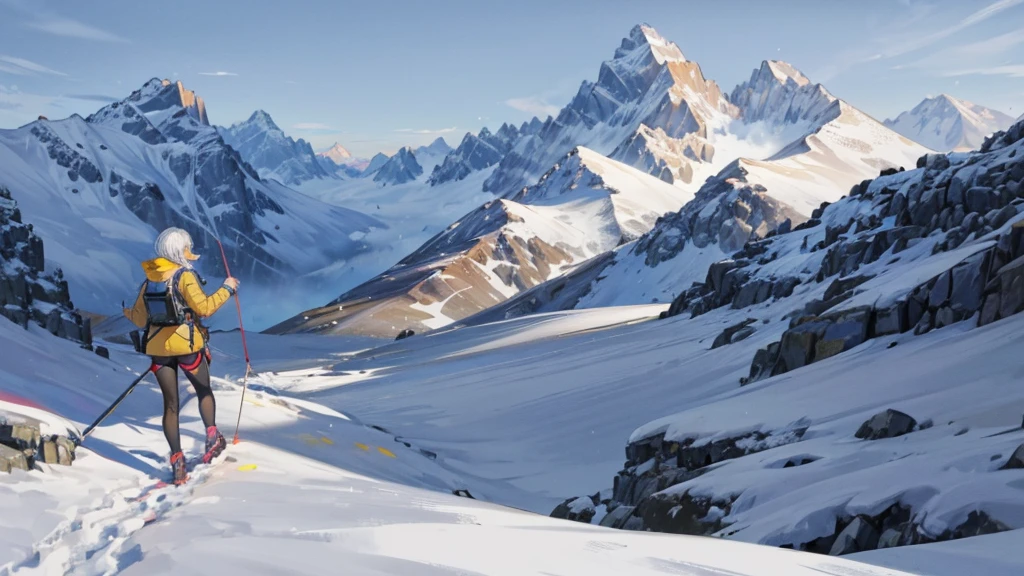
<point x="245" y="348"/>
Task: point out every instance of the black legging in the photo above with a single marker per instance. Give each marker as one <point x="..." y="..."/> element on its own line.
<point x="167" y="377"/>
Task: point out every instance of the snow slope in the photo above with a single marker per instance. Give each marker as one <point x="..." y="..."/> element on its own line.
<point x="308" y="489"/>
<point x="946" y="124"/>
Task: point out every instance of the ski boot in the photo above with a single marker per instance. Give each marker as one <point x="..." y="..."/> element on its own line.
<point x="215" y="444"/>
<point x="178" y="467"/>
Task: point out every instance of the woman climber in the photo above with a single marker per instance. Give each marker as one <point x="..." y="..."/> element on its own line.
<point x="169" y="307"/>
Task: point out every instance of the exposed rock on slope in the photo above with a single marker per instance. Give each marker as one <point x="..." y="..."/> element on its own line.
<point x="27" y="293"/>
<point x="908" y="251"/>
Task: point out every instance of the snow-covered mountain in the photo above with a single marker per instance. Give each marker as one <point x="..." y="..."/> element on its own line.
<point x="475" y="152"/>
<point x="945" y="123"/>
<point x="648" y="83"/>
<point x="273" y="154"/>
<point x="585" y="205"/>
<point x="399" y="169"/>
<point x="766" y="156"/>
<point x="98" y="190"/>
<point x="432" y="154"/>
<point x="408" y="165"/>
<point x="338" y="154"/>
<point x="337" y="160"/>
<point x="376" y="163"/>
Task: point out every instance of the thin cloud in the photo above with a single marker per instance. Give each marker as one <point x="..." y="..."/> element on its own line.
<point x="985" y="54"/>
<point x="93" y="97"/>
<point x="9" y="105"/>
<point x="427" y="132"/>
<point x="1010" y="70"/>
<point x="68" y="28"/>
<point x="316" y="129"/>
<point x="533" y="105"/>
<point x="903" y="40"/>
<point x="218" y="73"/>
<point x="912" y="44"/>
<point x="23" y="67"/>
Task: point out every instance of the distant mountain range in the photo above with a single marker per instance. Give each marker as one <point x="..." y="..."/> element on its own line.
<point x="651" y="136"/>
<point x="947" y="124"/>
<point x="98" y="190"/>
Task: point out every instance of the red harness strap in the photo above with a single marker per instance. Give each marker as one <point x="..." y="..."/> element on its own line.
<point x="191" y="367"/>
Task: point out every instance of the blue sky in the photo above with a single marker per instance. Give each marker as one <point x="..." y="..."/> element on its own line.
<point x="379" y="75"/>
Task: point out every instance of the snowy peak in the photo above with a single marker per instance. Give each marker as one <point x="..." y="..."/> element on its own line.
<point x="946" y="123"/>
<point x="399" y="169"/>
<point x="337" y="153"/>
<point x="263" y="121"/>
<point x="779" y="94"/>
<point x="475" y="152"/>
<point x="784" y="72"/>
<point x="162" y="95"/>
<point x="273" y="154"/>
<point x="379" y="160"/>
<point x="644" y="37"/>
<point x="438" y="146"/>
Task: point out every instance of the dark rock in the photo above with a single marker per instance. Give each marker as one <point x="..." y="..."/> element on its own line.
<point x="1002" y="216"/>
<point x="944" y="317"/>
<point x="889" y="539"/>
<point x="102" y="352"/>
<point x="841" y="285"/>
<point x="924" y="325"/>
<point x="888" y="424"/>
<point x="846" y="330"/>
<point x="858" y="536"/>
<point x="892" y="320"/>
<point x="980" y="199"/>
<point x="940" y="291"/>
<point x="968" y="283"/>
<point x="405" y="334"/>
<point x="618" y="517"/>
<point x="727" y="335"/>
<point x="1016" y="460"/>
<point x="797" y="346"/>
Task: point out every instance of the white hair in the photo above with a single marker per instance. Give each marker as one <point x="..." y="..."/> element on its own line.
<point x="172" y="244"/>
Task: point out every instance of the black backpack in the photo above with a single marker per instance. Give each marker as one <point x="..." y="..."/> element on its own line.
<point x="164" y="303"/>
<point x="165" y="306"/>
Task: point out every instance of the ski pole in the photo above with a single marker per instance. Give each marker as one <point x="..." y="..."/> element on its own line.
<point x="245" y="348"/>
<point x="78" y="441"/>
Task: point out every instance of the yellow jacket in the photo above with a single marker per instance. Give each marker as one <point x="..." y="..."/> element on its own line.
<point x="170" y="340"/>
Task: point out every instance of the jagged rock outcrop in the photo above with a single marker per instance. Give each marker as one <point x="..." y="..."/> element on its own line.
<point x="399" y="169"/>
<point x="27" y="292"/>
<point x="475" y="152"/>
<point x="726" y="210"/>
